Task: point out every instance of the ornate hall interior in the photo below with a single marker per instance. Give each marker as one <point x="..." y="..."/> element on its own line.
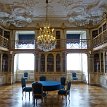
<point x="54" y="38"/>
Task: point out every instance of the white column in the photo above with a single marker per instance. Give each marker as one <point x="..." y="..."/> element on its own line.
<point x="61" y="63"/>
<point x="1" y="62"/>
<point x="45" y="62"/>
<point x="54" y="62"/>
<point x="39" y="58"/>
<point x="104" y="61"/>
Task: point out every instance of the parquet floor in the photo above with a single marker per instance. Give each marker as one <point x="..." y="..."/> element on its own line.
<point x="82" y="95"/>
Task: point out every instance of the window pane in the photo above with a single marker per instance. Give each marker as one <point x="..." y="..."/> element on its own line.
<point x="26" y="62"/>
<point x="73" y="61"/>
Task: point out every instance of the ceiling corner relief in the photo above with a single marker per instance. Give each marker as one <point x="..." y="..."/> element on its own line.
<point x="21" y="13"/>
<point x="17" y="14"/>
<point x="86" y="12"/>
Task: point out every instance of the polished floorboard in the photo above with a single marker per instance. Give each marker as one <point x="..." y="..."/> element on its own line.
<point x="81" y="95"/>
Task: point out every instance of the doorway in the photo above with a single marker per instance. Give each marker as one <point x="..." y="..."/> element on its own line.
<point x="24" y="62"/>
<point x="77" y="62"/>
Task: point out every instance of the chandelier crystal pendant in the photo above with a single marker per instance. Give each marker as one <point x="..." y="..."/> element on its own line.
<point x="46" y="40"/>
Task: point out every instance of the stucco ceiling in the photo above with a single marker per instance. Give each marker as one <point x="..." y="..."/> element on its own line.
<point x="72" y="13"/>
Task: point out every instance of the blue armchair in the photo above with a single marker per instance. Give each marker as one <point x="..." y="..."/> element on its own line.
<point x="74" y="76"/>
<point x="24" y="88"/>
<point x="42" y="78"/>
<point x="37" y="92"/>
<point x="65" y="92"/>
<point x="63" y="82"/>
<point x="25" y="75"/>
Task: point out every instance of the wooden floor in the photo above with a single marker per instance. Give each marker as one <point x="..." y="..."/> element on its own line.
<point x="81" y="96"/>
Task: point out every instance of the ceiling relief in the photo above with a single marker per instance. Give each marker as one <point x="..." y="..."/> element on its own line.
<point x="16" y="14"/>
<point x="25" y="13"/>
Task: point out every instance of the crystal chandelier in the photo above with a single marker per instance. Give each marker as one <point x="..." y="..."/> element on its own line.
<point x="46" y="40"/>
